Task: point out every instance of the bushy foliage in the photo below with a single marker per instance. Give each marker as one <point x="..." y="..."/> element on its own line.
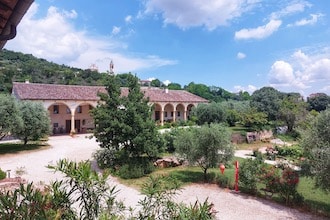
<point x="135" y="168"/>
<point x="316" y="144"/>
<point x="2" y="174"/>
<point x="283" y="183"/>
<point x="169" y="137"/>
<point x="124" y="124"/>
<point x="209" y="113"/>
<point x="249" y="175"/>
<point x="206" y="146"/>
<point x="105" y="158"/>
<point x="294" y="151"/>
<point x="35" y="122"/>
<point x="9" y="115"/>
<point x="158" y="203"/>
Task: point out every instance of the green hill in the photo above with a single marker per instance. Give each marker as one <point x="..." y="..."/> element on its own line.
<point x="19" y="67"/>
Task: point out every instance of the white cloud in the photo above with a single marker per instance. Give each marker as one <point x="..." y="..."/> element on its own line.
<point x="301" y="71"/>
<point x="281" y="73"/>
<point x="128" y="19"/>
<point x="250" y="88"/>
<point x="166" y="82"/>
<point x="292" y="8"/>
<point x="192" y="13"/>
<point x="66" y="45"/>
<point x="314" y="19"/>
<point x="241" y="55"/>
<point x="115" y="30"/>
<point x="259" y="32"/>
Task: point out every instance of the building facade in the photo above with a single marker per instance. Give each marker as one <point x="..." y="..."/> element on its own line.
<point x="69" y="105"/>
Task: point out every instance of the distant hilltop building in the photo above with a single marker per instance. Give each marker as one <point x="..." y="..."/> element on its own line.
<point x="111" y="68"/>
<point x="93" y="67"/>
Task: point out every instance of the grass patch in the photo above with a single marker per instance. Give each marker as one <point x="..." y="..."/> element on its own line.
<point x="11" y="148"/>
<point x="255" y="145"/>
<point x="316" y="200"/>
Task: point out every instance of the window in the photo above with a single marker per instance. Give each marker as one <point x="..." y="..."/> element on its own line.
<point x="165" y="114"/>
<point x="179" y="114"/>
<point x="56" y="109"/>
<point x="68" y="111"/>
<point x="171" y="114"/>
<point x="79" y="109"/>
<point x="55" y="125"/>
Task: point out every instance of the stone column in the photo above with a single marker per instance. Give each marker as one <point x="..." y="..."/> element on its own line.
<point x="174" y="113"/>
<point x="73" y="129"/>
<point x="185" y="115"/>
<point x="162" y="117"/>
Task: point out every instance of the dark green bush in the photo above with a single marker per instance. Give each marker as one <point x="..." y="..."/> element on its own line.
<point x="249" y="175"/>
<point x="135" y="168"/>
<point x="291" y="151"/>
<point x="2" y="174"/>
<point x="223" y="181"/>
<point x="105" y="158"/>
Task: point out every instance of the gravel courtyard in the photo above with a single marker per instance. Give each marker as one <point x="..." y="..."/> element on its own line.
<point x="229" y="205"/>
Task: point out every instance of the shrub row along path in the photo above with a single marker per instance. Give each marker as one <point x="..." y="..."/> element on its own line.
<point x="228" y="204"/>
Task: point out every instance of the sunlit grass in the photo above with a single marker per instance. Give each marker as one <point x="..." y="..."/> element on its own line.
<point x="11" y="148"/>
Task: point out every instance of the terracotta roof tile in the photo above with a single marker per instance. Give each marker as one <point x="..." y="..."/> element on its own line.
<point x="36" y="91"/>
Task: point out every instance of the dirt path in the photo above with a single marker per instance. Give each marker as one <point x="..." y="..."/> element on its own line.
<point x="229" y="205"/>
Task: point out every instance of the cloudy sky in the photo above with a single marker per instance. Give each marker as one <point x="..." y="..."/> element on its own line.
<point x="233" y="44"/>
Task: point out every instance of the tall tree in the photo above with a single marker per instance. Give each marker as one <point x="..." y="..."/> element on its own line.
<point x="174" y="86"/>
<point x="206" y="146"/>
<point x="267" y="100"/>
<point x="319" y="102"/>
<point x="209" y="113"/>
<point x="124" y="124"/>
<point x="36" y="123"/>
<point x="316" y="143"/>
<point x="9" y="115"/>
<point x="292" y="110"/>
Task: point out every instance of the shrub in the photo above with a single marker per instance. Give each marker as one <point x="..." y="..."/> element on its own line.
<point x="2" y="174"/>
<point x="223" y="181"/>
<point x="248" y="175"/>
<point x="135" y="168"/>
<point x="105" y="158"/>
<point x="291" y="151"/>
<point x="288" y="186"/>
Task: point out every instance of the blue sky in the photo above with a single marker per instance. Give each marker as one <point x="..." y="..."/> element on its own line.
<point x="233" y="44"/>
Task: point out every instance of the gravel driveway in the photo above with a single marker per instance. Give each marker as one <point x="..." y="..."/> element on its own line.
<point x="228" y="204"/>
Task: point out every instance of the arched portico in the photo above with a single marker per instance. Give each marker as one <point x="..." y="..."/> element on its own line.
<point x="171" y="112"/>
<point x="69" y="116"/>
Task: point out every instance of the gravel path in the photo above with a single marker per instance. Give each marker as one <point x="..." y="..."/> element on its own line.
<point x="228" y="204"/>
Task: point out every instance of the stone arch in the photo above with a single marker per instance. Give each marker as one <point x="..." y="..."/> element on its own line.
<point x="180" y="112"/>
<point x="157" y="112"/>
<point x="59" y="114"/>
<point x="83" y="120"/>
<point x="189" y="108"/>
<point x="169" y="112"/>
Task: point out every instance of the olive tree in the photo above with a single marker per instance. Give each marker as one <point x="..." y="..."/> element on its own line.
<point x="206" y="146"/>
<point x="36" y="123"/>
<point x="316" y="143"/>
<point x="9" y="115"/>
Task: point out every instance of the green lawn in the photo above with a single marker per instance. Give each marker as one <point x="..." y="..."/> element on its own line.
<point x="7" y="148"/>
